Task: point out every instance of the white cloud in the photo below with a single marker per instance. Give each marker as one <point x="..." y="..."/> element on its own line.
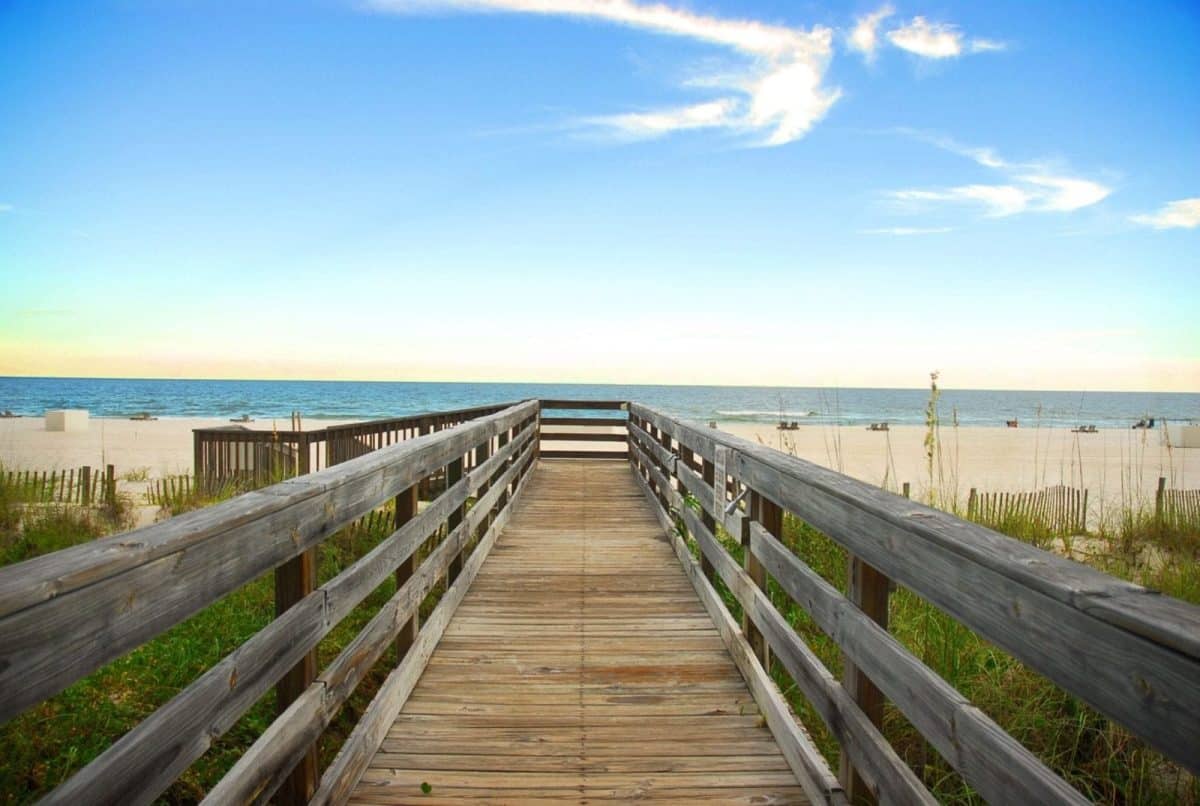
<point x="645" y="125"/>
<point x="999" y="200"/>
<point x="906" y="231"/>
<point x="864" y="38"/>
<point x="1182" y="214"/>
<point x="938" y="40"/>
<point x="778" y="94"/>
<point x="1027" y="187"/>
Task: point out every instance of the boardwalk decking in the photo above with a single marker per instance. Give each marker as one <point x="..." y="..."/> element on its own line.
<point x="580" y="667"/>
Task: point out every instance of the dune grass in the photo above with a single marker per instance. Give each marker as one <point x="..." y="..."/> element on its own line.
<point x="49" y="742"/>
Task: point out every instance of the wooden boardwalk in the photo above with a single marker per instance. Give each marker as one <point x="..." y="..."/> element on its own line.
<point x="580" y="667"/>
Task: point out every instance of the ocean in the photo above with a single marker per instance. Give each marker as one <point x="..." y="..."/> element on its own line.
<point x="113" y="397"/>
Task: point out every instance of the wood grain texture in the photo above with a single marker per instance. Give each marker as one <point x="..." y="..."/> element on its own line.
<point x="1129" y="652"/>
<point x="580" y="666"/>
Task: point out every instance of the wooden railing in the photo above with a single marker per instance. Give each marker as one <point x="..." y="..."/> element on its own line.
<point x="261" y="457"/>
<point x="1126" y="651"/>
<point x="603" y="436"/>
<point x="64" y="615"/>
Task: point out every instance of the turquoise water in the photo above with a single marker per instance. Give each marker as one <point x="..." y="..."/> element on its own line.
<point x="360" y="399"/>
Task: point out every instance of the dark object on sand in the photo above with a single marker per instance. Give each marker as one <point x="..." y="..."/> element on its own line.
<point x="786" y="426"/>
<point x="1084" y="429"/>
<point x="245" y="418"/>
<point x="877" y="427"/>
<point x="143" y="416"/>
<point x="8" y="414"/>
<point x="1144" y="423"/>
<point x="1011" y="423"/>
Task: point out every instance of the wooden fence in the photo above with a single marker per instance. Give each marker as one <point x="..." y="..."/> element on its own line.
<point x="255" y="458"/>
<point x="85" y="486"/>
<point x="1126" y="651"/>
<point x="593" y="437"/>
<point x="1058" y="510"/>
<point x="1176" y="509"/>
<point x="66" y="614"/>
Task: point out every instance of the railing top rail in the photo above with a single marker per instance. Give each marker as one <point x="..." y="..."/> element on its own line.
<point x="584" y="404"/>
<point x="233" y="428"/>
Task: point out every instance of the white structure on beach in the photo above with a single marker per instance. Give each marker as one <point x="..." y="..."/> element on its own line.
<point x="67" y="420"/>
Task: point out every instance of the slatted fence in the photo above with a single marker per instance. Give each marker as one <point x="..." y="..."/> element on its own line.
<point x="257" y="457"/>
<point x="84" y="486"/>
<point x="1057" y="510"/>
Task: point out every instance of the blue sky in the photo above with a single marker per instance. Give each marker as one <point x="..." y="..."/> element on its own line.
<point x="709" y="192"/>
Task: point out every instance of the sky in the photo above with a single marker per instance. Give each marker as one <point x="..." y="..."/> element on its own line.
<point x="710" y="192"/>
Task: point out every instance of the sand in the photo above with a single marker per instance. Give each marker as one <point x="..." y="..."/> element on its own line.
<point x="1114" y="465"/>
<point x="162" y="447"/>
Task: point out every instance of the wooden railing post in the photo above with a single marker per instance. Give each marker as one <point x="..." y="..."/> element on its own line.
<point x="770" y="515"/>
<point x="482" y="453"/>
<point x="868" y="589"/>
<point x="406" y="510"/>
<point x="294" y="580"/>
<point x="709" y="472"/>
<point x="454" y="474"/>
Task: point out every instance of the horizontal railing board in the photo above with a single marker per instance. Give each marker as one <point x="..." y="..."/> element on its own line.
<point x="144" y="762"/>
<point x="593" y="421"/>
<point x="994" y="763"/>
<point x="583" y="404"/>
<point x="581" y="436"/>
<point x="1138" y="667"/>
<point x="597" y="454"/>
<point x="68" y="613"/>
<point x="378" y="424"/>
<point x="261" y="770"/>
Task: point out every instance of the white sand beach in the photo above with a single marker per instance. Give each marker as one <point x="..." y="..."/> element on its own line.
<point x="1114" y="465"/>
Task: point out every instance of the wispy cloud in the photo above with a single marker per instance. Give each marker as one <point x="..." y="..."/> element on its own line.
<point x="1181" y="214"/>
<point x="6" y="208"/>
<point x="906" y="231"/>
<point x="1027" y="187"/>
<point x="938" y="40"/>
<point x="779" y="95"/>
<point x="864" y="37"/>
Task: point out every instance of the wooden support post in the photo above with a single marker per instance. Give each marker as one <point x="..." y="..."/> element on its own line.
<point x="709" y="472"/>
<point x="482" y="452"/>
<point x="110" y="485"/>
<point x="1159" y="495"/>
<point x="454" y="474"/>
<point x="868" y="589"/>
<point x="501" y="442"/>
<point x="769" y="514"/>
<point x="406" y="510"/>
<point x="907" y="490"/>
<point x="294" y="580"/>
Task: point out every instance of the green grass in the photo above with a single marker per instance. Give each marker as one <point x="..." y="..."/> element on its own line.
<point x="51" y="741"/>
